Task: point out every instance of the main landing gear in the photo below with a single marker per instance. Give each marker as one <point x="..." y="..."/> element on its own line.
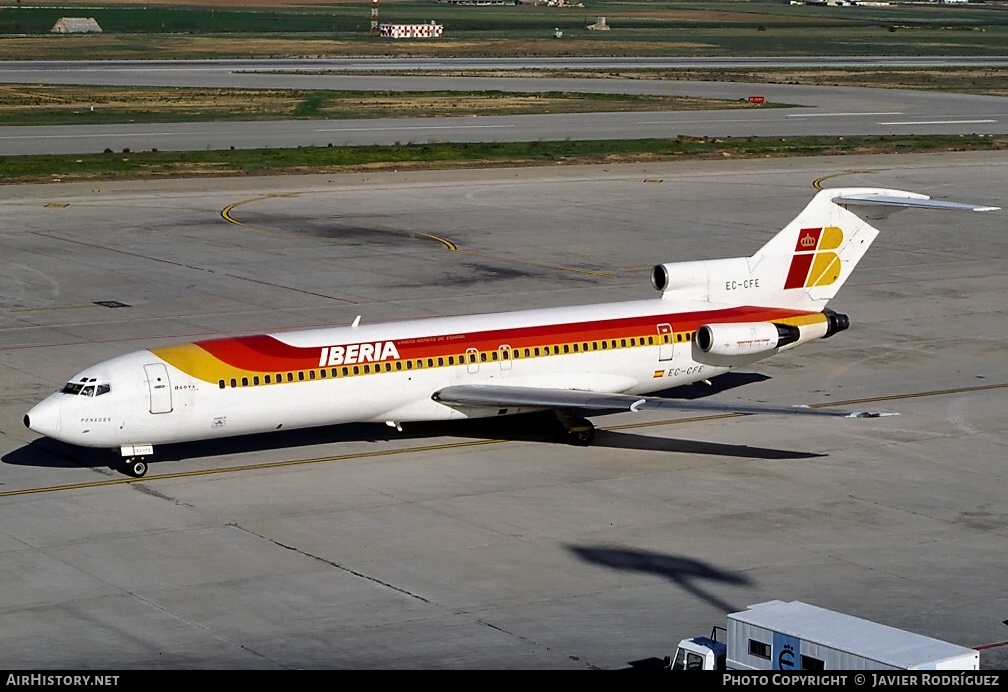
<point x="580" y="431"/>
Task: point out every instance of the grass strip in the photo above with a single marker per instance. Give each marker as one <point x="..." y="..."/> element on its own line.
<point x="126" y="164"/>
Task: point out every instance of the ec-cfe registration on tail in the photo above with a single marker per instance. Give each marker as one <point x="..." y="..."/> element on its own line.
<point x="712" y="316"/>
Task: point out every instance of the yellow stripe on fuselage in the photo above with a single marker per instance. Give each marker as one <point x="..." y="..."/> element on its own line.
<point x="194" y="361"/>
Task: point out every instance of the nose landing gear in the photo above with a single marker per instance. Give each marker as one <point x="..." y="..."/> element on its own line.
<point x="134" y="459"/>
<point x="135" y="466"/>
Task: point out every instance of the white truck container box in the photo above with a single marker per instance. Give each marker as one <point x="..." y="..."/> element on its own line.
<point x="797" y="636"/>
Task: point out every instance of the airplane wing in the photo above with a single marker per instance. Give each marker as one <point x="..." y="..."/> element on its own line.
<point x="484" y="395"/>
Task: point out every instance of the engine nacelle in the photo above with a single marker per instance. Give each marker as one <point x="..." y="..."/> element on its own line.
<point x="738" y="344"/>
<point x="704" y="279"/>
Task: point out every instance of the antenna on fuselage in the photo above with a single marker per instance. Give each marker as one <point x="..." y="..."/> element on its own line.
<point x="356" y="321"/>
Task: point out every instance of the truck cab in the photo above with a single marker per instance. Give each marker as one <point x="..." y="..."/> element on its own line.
<point x="699" y="653"/>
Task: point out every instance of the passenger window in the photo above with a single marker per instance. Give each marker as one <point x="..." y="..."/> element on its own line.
<point x="234" y="382"/>
<point x="244" y="382"/>
<point x="483" y="357"/>
<point x="221" y="384"/>
<point x="300" y="375"/>
<point x="268" y="379"/>
<point x="255" y="380"/>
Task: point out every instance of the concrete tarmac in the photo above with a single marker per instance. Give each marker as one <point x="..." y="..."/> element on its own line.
<point x="490" y="545"/>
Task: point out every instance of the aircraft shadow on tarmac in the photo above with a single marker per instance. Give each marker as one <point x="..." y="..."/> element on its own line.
<point x="538" y="427"/>
<point x="686" y="573"/>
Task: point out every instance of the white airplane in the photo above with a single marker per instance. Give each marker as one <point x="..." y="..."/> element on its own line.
<point x="712" y="316"/>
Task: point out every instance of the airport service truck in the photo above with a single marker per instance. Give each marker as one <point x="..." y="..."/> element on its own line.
<point x="797" y="636"/>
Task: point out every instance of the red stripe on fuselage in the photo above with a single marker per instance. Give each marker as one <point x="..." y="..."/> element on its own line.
<point x="266" y="353"/>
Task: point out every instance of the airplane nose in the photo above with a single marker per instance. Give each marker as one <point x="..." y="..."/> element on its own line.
<point x="44" y="417"/>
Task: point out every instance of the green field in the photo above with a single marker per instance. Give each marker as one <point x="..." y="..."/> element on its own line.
<point x="725" y="27"/>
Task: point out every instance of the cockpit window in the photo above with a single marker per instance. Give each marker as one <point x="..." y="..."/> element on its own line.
<point x="84" y="388"/>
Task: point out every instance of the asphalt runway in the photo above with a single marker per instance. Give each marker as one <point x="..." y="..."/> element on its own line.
<point x="488" y="545"/>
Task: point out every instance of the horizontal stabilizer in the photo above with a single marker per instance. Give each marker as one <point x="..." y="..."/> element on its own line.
<point x="480" y="395"/>
<point x="908" y="202"/>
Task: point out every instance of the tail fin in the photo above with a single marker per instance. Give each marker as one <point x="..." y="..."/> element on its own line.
<point x="818" y="250"/>
<point x="804" y="265"/>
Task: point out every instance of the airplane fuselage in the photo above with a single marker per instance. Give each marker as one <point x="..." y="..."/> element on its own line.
<point x="386" y="372"/>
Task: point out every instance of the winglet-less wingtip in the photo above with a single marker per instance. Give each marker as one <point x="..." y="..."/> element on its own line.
<point x="870" y="414"/>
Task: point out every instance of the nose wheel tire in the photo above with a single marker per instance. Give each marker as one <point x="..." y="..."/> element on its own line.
<point x="136" y="467"/>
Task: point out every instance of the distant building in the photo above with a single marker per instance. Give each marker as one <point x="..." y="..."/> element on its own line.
<point x="76" y="25"/>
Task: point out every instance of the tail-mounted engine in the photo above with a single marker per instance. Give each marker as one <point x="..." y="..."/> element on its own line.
<point x="745" y="339"/>
<point x="835" y="322"/>
<point x="742" y="343"/>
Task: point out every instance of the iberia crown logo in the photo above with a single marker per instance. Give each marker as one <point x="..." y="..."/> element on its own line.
<point x="814" y="262"/>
